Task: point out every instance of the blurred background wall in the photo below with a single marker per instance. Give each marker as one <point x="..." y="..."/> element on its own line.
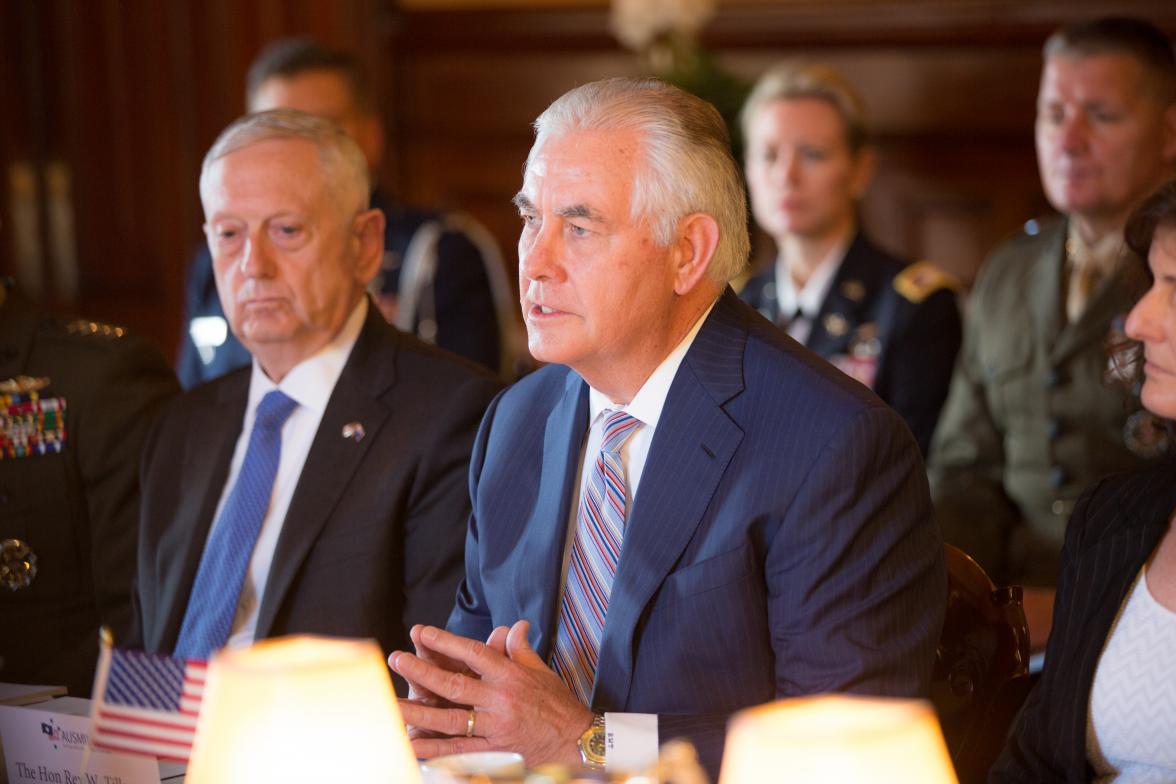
<point x="107" y="107"/>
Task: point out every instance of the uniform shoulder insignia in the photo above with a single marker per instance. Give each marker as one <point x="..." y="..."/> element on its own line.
<point x="922" y="279"/>
<point x="96" y="328"/>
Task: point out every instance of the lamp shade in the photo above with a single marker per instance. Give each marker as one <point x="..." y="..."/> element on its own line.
<point x="300" y="709"/>
<point x="837" y="738"/>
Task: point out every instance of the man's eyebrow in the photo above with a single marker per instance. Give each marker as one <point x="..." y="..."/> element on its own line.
<point x="581" y="211"/>
<point x="574" y="211"/>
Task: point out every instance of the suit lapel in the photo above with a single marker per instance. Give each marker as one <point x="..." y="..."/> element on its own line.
<point x="694" y="442"/>
<point x="563" y="439"/>
<point x="333" y="459"/>
<point x="216" y="424"/>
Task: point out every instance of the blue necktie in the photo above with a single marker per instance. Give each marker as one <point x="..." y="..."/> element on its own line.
<point x="596" y="551"/>
<point x="217" y="589"/>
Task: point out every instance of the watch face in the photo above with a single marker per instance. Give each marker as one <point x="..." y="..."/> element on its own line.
<point x="592" y="747"/>
<point x="596" y="744"/>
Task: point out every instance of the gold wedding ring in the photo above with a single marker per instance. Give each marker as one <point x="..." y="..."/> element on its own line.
<point x="470" y="724"/>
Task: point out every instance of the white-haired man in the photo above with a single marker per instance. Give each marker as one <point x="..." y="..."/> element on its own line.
<point x="322" y="489"/>
<point x="685" y="513"/>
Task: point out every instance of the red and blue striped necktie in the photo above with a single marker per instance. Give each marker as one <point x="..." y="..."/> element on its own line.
<point x="596" y="551"/>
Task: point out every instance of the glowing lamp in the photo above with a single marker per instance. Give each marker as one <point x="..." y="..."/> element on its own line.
<point x="837" y="738"/>
<point x="300" y="709"/>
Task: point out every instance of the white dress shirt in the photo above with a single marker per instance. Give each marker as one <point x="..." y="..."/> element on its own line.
<point x="808" y="300"/>
<point x="632" y="737"/>
<point x="310" y="384"/>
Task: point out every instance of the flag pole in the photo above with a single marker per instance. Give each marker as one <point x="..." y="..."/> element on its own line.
<point x="101" y="674"/>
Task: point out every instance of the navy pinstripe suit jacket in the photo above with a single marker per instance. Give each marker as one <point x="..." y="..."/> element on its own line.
<point x="1115" y="527"/>
<point x="781" y="542"/>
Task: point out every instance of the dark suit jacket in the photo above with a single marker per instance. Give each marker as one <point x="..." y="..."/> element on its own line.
<point x="780" y="543"/>
<point x="1116" y="526"/>
<point x="466" y="320"/>
<point x="78" y="509"/>
<point x="917" y="341"/>
<point x="372" y="542"/>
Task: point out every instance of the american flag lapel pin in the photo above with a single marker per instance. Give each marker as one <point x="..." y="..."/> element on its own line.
<point x="354" y="431"/>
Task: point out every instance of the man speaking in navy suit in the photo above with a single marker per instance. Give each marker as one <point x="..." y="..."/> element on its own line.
<point x="685" y="513"/>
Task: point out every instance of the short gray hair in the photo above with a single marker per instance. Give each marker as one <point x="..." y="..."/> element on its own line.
<point x="791" y="80"/>
<point x="344" y="166"/>
<point x="689" y="166"/>
<point x="1121" y="35"/>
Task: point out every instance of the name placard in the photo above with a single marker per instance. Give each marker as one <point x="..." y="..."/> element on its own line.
<point x="50" y="748"/>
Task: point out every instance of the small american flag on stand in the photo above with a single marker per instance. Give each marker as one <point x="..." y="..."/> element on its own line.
<point x="145" y="703"/>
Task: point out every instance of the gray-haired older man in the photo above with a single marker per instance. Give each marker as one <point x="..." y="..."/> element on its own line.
<point x="686" y="512"/>
<point x="321" y="490"/>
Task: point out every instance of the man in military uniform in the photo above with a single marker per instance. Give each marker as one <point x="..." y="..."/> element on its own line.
<point x="76" y="401"/>
<point x="442" y="276"/>
<point x="1037" y="409"/>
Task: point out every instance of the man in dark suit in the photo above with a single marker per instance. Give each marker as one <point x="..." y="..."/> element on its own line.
<point x="320" y="490"/>
<point x="441" y="276"/>
<point x="77" y="398"/>
<point x="686" y="513"/>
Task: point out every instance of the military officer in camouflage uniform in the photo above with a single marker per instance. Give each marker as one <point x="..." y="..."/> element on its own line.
<point x="76" y="400"/>
<point x="1038" y="408"/>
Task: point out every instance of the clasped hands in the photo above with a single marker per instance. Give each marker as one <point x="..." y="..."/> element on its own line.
<point x="466" y="695"/>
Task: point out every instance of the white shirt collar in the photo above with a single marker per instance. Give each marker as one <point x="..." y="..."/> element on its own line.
<point x="311" y="381"/>
<point x="812" y="296"/>
<point x="647" y="404"/>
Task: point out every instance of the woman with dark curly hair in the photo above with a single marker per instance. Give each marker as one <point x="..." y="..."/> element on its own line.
<point x="1105" y="709"/>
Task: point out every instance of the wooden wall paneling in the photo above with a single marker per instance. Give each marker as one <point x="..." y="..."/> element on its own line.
<point x="21" y="231"/>
<point x="126" y="95"/>
<point x="121" y="140"/>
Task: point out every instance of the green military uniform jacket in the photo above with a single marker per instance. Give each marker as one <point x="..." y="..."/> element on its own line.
<point x="1033" y="416"/>
<point x="69" y="518"/>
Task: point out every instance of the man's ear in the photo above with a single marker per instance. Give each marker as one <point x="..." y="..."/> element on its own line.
<point x="368" y="239"/>
<point x="694" y="248"/>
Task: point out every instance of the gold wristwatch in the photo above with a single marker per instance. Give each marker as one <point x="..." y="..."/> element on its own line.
<point x="592" y="744"/>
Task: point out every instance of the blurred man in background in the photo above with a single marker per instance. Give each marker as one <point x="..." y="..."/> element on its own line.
<point x="1034" y="414"/>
